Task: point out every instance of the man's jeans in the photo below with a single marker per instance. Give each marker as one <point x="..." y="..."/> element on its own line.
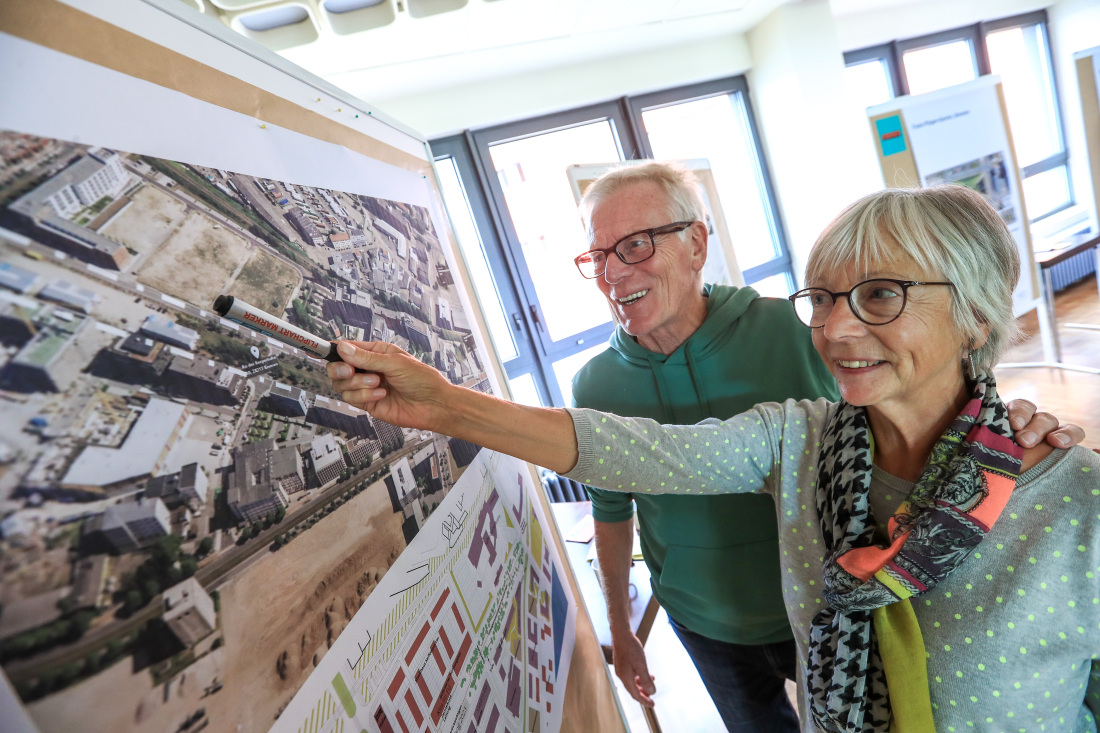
<point x="745" y="682"/>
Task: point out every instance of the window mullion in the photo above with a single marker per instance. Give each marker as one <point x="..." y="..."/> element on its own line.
<point x="1055" y="161"/>
<point x="901" y="84"/>
<point x="981" y="53"/>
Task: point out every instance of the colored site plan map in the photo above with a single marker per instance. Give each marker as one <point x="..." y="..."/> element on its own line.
<point x="471" y="630"/>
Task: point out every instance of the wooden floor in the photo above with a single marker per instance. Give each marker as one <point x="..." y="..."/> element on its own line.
<point x="683" y="705"/>
<point x="1071" y="396"/>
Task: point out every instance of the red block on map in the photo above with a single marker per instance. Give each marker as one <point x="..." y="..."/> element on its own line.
<point x="441" y="701"/>
<point x="416" y="644"/>
<point x="395" y="686"/>
<point x="414" y="708"/>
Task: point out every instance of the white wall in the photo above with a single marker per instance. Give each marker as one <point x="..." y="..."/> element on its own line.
<point x="1074" y="25"/>
<point x="818" y="142"/>
<point x="894" y="22"/>
<point x="520" y="96"/>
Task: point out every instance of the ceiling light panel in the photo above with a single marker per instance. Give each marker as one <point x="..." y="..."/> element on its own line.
<point x="601" y="15"/>
<point x="346" y="6"/>
<point x="345" y="17"/>
<point x="232" y="5"/>
<point x="425" y="8"/>
<point x="277" y="26"/>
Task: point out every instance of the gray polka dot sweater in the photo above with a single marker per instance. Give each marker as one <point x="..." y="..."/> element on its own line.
<point x="1010" y="637"/>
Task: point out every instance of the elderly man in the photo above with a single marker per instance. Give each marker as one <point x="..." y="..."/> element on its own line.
<point x="684" y="352"/>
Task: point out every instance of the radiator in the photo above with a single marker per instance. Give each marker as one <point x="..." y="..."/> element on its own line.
<point x="1075" y="268"/>
<point x="559" y="488"/>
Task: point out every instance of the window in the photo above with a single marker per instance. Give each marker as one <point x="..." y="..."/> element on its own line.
<point x="937" y="67"/>
<point x="476" y="231"/>
<point x="510" y="181"/>
<point x="714" y="121"/>
<point x="531" y="175"/>
<point x="1016" y="49"/>
<point x="868" y="83"/>
<point x="473" y="252"/>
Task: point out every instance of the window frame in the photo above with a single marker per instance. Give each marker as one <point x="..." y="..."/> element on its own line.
<point x="470" y="152"/>
<point x="891" y="54"/>
<point x="458" y="149"/>
<point x="640" y="103"/>
<point x="888" y="54"/>
<point x="970" y="33"/>
<point x="551" y="350"/>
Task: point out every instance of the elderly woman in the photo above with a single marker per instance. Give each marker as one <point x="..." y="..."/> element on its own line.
<point x="937" y="575"/>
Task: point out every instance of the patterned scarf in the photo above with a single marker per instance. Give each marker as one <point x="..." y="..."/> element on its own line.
<point x="964" y="486"/>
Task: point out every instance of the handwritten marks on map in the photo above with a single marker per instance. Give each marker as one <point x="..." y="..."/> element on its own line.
<point x="479" y="644"/>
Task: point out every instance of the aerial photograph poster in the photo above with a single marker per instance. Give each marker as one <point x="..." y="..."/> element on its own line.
<point x="191" y="523"/>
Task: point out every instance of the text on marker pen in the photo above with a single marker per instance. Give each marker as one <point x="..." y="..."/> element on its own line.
<point x="249" y="316"/>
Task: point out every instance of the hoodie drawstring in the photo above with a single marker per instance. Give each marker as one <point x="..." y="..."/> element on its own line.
<point x="699" y="384"/>
<point x="665" y="399"/>
<point x="655" y="367"/>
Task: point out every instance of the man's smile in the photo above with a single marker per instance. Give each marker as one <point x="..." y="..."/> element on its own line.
<point x="627" y="300"/>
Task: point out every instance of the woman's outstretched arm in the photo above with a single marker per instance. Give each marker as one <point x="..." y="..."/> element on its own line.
<point x="395" y="387"/>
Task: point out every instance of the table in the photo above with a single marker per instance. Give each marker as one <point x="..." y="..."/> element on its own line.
<point x="1077" y="244"/>
<point x="1052" y="344"/>
<point x="643" y="606"/>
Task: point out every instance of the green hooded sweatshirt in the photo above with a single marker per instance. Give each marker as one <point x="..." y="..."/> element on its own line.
<point x="714" y="561"/>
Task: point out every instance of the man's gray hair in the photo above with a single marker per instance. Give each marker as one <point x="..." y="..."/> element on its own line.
<point x="681" y="187"/>
<point x="949" y="231"/>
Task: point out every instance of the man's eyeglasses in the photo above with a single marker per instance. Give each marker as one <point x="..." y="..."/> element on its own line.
<point x="631" y="249"/>
<point x="875" y="302"/>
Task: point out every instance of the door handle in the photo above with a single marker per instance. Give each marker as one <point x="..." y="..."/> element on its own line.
<point x="535" y="317"/>
<point x="517" y="321"/>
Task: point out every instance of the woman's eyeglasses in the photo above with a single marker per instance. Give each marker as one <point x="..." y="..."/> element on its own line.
<point x="875" y="302"/>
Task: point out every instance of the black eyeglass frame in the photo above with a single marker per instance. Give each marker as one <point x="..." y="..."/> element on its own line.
<point x="673" y="228"/>
<point x="903" y="284"/>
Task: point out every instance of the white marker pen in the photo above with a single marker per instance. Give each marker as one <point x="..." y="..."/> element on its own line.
<point x="238" y="311"/>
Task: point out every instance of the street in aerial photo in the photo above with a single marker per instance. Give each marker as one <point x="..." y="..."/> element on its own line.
<point x="189" y="517"/>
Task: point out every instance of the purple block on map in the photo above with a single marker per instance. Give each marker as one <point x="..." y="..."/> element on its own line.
<point x="485" y="539"/>
<point x="515" y="692"/>
<point x="482" y="701"/>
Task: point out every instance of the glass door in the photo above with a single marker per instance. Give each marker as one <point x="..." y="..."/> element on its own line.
<point x="530" y="229"/>
<point x="525" y="165"/>
<point x="543" y="210"/>
<point x="713" y="121"/>
<point x="479" y="242"/>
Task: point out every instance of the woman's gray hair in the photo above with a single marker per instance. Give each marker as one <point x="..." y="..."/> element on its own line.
<point x="949" y="231"/>
<point x="681" y="187"/>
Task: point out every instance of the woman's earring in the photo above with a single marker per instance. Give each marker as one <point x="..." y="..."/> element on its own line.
<point x="970" y="362"/>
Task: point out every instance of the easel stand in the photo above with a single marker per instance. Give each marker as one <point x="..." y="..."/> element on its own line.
<point x="1048" y="323"/>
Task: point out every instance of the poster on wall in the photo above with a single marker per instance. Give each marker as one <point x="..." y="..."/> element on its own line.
<point x="194" y="527"/>
<point x="958" y="135"/>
